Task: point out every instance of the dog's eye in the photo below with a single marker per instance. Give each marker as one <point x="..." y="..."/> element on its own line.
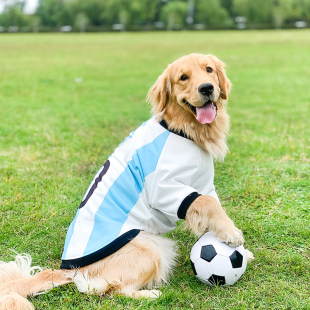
<point x="209" y="70"/>
<point x="184" y="77"/>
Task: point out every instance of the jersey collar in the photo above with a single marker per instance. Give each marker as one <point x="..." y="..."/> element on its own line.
<point x="179" y="133"/>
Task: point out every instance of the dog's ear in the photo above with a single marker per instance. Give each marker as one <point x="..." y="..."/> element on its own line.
<point x="225" y="84"/>
<point x="159" y="94"/>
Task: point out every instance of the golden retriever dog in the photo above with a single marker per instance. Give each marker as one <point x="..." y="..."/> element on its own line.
<point x="187" y="131"/>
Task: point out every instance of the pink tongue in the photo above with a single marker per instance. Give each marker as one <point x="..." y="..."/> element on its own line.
<point x="206" y="114"/>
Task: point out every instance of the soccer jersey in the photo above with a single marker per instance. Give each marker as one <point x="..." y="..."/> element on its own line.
<point x="148" y="183"/>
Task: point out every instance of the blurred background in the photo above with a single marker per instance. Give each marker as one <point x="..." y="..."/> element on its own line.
<point x="68" y="99"/>
<point x="135" y="15"/>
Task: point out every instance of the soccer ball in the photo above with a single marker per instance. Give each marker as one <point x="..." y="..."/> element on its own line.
<point x="216" y="263"/>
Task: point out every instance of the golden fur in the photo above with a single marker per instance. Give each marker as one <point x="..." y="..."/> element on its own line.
<point x="148" y="259"/>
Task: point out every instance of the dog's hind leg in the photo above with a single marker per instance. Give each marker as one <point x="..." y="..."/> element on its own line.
<point x="145" y="261"/>
<point x="90" y="284"/>
<point x="140" y="293"/>
<point x="151" y="261"/>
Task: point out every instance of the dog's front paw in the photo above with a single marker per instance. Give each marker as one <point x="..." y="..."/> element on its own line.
<point x="232" y="236"/>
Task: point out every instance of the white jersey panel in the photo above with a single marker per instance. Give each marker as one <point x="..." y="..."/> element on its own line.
<point x="204" y="179"/>
<point x="174" y="176"/>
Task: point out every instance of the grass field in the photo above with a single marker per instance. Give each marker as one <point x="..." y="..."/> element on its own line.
<point x="55" y="133"/>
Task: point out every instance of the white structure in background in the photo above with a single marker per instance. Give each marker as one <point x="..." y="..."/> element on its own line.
<point x="13" y="29"/>
<point x="241" y="22"/>
<point x="159" y="25"/>
<point x="300" y="24"/>
<point x="118" y="27"/>
<point x="65" y="28"/>
<point x="199" y="26"/>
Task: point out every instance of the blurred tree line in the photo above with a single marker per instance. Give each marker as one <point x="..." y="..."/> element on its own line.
<point x="105" y="15"/>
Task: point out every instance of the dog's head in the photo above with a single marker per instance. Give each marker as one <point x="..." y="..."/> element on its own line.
<point x="196" y="83"/>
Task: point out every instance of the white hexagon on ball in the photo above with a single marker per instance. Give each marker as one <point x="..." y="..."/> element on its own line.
<point x="234" y="275"/>
<point x="202" y="270"/>
<point x="220" y="265"/>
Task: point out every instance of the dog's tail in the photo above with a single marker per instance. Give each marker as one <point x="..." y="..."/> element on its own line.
<point x="19" y="280"/>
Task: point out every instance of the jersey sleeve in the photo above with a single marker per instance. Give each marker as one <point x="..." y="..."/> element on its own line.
<point x="172" y="190"/>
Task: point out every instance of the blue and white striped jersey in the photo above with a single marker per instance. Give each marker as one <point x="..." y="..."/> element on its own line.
<point x="148" y="183"/>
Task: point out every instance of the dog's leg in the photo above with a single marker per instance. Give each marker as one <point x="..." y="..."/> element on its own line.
<point x="19" y="280"/>
<point x="141" y="293"/>
<point x="144" y="261"/>
<point x="90" y="284"/>
<point x="99" y="285"/>
<point x="206" y="213"/>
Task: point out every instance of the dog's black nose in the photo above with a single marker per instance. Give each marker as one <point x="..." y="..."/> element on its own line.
<point x="206" y="89"/>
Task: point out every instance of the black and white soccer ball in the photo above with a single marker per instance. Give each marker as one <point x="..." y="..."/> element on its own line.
<point x="216" y="263"/>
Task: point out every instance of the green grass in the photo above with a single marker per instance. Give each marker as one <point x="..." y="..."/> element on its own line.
<point x="56" y="133"/>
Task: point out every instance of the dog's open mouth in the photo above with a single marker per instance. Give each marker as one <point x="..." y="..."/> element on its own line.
<point x="205" y="114"/>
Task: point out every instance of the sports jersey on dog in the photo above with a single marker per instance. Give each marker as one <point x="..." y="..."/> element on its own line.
<point x="148" y="183"/>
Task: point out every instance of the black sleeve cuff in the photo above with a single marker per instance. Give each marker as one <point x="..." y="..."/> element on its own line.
<point x="186" y="203"/>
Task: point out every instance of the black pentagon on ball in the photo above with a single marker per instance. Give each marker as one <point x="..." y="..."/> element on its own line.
<point x="194" y="269"/>
<point x="207" y="252"/>
<point x="236" y="259"/>
<point x="217" y="280"/>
